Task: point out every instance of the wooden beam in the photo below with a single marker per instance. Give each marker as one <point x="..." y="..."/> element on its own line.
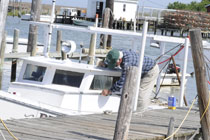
<point x="201" y="80"/>
<point x="126" y="105"/>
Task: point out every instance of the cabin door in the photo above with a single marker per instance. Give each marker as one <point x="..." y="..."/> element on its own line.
<point x="99" y="8"/>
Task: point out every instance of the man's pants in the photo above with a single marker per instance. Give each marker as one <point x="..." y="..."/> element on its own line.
<point x="146" y="87"/>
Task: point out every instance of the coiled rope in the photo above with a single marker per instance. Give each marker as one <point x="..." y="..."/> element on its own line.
<point x="8" y="129"/>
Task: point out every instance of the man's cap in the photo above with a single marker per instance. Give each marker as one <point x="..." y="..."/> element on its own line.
<point x="112" y="57"/>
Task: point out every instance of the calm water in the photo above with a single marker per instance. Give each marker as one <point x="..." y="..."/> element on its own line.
<point x="118" y="42"/>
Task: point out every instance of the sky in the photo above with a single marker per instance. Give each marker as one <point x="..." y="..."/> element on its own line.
<point x="149" y="3"/>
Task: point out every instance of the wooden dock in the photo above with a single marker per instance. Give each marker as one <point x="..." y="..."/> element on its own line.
<point x="150" y="125"/>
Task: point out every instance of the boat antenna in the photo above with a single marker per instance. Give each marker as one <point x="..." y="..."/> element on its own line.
<point x="49" y="30"/>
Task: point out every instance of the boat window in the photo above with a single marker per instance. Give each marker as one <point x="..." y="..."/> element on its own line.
<point x="68" y="78"/>
<point x="34" y="73"/>
<point x="101" y="82"/>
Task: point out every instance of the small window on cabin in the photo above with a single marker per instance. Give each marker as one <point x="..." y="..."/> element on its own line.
<point x="101" y="82"/>
<point x="124" y="7"/>
<point x="68" y="78"/>
<point x="34" y="73"/>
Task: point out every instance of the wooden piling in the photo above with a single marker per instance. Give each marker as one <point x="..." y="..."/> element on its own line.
<point x="110" y="4"/>
<point x="2" y="52"/>
<point x="92" y="47"/>
<point x="126" y="105"/>
<point x="15" y="40"/>
<point x="105" y="24"/>
<point x="14" y="50"/>
<point x="32" y="39"/>
<point x="58" y="43"/>
<point x="36" y="7"/>
<point x="35" y="16"/>
<point x="201" y="80"/>
<point x="171" y="128"/>
<point x="3" y="15"/>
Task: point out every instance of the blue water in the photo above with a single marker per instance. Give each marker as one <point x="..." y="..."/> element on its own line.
<point x="117" y="42"/>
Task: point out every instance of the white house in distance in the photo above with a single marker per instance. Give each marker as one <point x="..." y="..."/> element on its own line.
<point x="122" y="9"/>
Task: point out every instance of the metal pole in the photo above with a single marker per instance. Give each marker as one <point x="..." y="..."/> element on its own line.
<point x="184" y="70"/>
<point x="143" y="44"/>
<point x="49" y="34"/>
<point x="162" y="49"/>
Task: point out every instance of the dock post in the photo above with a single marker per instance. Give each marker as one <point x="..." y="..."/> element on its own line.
<point x="32" y="36"/>
<point x="58" y="43"/>
<point x="2" y="52"/>
<point x="14" y="50"/>
<point x="32" y="39"/>
<point x="110" y="4"/>
<point x="126" y="105"/>
<point x="201" y="80"/>
<point x="171" y="128"/>
<point x="3" y="15"/>
<point x="93" y="45"/>
<point x="15" y="40"/>
<point x="105" y="24"/>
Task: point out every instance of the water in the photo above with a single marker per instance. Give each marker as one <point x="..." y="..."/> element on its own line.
<point x="117" y="42"/>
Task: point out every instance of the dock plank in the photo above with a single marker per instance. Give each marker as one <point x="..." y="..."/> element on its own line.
<point x="152" y="124"/>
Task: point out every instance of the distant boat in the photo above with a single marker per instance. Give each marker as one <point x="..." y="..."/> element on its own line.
<point x="22" y="45"/>
<point x="85" y="23"/>
<point x="43" y="18"/>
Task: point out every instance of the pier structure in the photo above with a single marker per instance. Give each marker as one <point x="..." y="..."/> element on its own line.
<point x="150" y="125"/>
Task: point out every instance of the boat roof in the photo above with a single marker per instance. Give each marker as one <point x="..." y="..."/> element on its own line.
<point x="70" y="64"/>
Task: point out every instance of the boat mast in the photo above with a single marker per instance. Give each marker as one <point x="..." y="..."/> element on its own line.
<point x="49" y="31"/>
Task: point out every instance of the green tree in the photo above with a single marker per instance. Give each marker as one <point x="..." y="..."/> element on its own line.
<point x="193" y="6"/>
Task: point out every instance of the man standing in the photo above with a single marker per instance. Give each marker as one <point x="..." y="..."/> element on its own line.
<point x="124" y="59"/>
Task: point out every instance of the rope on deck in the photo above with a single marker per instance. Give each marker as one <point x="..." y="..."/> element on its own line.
<point x="8" y="129"/>
<point x="182" y="120"/>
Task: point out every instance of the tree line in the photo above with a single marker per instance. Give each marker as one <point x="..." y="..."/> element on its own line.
<point x="193" y="6"/>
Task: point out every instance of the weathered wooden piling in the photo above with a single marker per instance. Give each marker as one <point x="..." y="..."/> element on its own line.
<point x="126" y="105"/>
<point x="110" y="4"/>
<point x="36" y="7"/>
<point x="105" y="24"/>
<point x="14" y="50"/>
<point x="93" y="44"/>
<point x="201" y="80"/>
<point x="171" y="128"/>
<point x="15" y="40"/>
<point x="2" y="52"/>
<point x="32" y="39"/>
<point x="35" y="16"/>
<point x="59" y="39"/>
<point x="3" y="15"/>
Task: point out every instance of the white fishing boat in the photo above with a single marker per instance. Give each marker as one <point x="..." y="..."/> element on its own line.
<point x="47" y="86"/>
<point x="43" y="18"/>
<point x="50" y="87"/>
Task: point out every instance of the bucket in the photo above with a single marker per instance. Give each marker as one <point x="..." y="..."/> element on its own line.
<point x="172" y="102"/>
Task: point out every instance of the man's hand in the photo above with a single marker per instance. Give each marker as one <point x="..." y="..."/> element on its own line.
<point x="106" y="92"/>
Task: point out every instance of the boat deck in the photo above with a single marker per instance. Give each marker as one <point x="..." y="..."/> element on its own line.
<point x="150" y="125"/>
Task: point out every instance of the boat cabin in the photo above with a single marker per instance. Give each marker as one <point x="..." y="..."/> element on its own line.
<point x="66" y="84"/>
